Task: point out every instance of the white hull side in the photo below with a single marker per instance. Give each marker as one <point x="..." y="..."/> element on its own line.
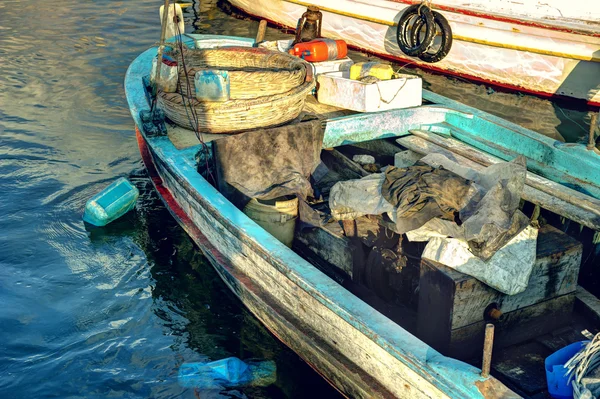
<point x="542" y="70"/>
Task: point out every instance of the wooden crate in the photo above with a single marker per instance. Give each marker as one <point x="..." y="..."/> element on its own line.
<point x="453" y="305"/>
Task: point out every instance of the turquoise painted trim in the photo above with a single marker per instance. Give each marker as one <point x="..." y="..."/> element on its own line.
<point x="569" y="164"/>
<point x="450" y="376"/>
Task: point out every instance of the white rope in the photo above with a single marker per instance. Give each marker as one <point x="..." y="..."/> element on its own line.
<point x="584" y="361"/>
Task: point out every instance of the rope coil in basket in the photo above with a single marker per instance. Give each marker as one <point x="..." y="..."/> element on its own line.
<point x="253" y="72"/>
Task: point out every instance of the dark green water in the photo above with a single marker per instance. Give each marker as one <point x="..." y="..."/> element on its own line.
<point x="115" y="311"/>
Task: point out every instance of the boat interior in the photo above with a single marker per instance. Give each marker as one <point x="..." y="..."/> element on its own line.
<point x="443" y="307"/>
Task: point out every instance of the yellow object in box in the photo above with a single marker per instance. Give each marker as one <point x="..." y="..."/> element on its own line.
<point x="380" y="71"/>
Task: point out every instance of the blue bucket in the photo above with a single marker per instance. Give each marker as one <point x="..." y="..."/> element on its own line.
<point x="558" y="386"/>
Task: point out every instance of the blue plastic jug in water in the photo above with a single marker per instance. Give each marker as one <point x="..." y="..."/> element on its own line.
<point x="225" y="373"/>
<point x="111" y="203"/>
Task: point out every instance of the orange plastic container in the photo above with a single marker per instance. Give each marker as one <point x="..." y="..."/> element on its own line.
<point x="320" y="50"/>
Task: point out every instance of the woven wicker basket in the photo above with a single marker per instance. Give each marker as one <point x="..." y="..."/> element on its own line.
<point x="235" y="115"/>
<point x="253" y="72"/>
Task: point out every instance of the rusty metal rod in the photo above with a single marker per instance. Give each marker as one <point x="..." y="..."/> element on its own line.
<point x="488" y="344"/>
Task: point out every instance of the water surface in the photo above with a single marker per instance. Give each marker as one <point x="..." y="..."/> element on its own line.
<point x="113" y="312"/>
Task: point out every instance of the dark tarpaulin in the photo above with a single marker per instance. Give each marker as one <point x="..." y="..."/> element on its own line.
<point x="421" y="193"/>
<point x="268" y="164"/>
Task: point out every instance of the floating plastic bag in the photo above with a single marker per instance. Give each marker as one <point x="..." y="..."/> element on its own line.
<point x="507" y="270"/>
<point x="229" y="372"/>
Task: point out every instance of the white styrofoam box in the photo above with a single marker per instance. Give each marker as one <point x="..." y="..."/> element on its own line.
<point x="343" y="64"/>
<point x="337" y="89"/>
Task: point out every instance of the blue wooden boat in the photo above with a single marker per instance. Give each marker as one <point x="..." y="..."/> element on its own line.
<point x="357" y="349"/>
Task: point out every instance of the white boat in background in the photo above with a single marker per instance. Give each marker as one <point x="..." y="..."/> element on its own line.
<point x="549" y="48"/>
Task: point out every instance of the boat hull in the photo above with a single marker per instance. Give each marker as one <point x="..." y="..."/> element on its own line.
<point x="352" y="361"/>
<point x="357" y="349"/>
<point x="349" y="379"/>
<point x="535" y="58"/>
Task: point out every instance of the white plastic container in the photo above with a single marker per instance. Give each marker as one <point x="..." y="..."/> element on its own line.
<point x="212" y="85"/>
<point x="173" y="28"/>
<point x="343" y="64"/>
<point x="337" y="89"/>
<point x="278" y="217"/>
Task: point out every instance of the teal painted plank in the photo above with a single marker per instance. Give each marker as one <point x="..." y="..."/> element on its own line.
<point x="569" y="164"/>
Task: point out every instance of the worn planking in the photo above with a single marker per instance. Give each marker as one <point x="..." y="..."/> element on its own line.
<point x="588" y="305"/>
<point x="328" y="242"/>
<point x="517" y="326"/>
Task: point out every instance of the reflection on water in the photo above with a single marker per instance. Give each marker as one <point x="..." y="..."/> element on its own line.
<point x="111" y="311"/>
<point x="115" y="311"/>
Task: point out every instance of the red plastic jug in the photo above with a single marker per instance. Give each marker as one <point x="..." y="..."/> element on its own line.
<point x="320" y="50"/>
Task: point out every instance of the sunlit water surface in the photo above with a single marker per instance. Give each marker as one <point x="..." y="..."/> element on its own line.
<point x="113" y="312"/>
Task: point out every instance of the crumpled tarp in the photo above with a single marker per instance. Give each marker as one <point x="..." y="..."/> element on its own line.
<point x="489" y="223"/>
<point x="270" y="163"/>
<point x="410" y="196"/>
<point x="507" y="270"/>
<point x="420" y="193"/>
<point x="351" y="199"/>
<point x="426" y="201"/>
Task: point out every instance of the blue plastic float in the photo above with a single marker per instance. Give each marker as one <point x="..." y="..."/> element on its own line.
<point x="111" y="203"/>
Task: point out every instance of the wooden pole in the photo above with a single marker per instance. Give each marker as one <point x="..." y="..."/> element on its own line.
<point x="488" y="345"/>
<point x="163" y="32"/>
<point x="262" y="30"/>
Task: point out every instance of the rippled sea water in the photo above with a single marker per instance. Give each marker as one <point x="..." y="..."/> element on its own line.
<point x="113" y="312"/>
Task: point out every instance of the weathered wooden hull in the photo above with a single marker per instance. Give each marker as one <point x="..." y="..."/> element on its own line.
<point x="358" y="350"/>
<point x="553" y="56"/>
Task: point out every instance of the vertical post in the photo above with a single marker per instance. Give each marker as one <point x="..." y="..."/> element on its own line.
<point x="592" y="142"/>
<point x="488" y="345"/>
<point x="163" y="32"/>
<point x="262" y="29"/>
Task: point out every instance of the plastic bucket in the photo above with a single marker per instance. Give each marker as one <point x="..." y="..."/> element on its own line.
<point x="277" y="216"/>
<point x="558" y="386"/>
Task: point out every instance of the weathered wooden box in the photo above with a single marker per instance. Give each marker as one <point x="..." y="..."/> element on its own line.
<point x="454" y="307"/>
